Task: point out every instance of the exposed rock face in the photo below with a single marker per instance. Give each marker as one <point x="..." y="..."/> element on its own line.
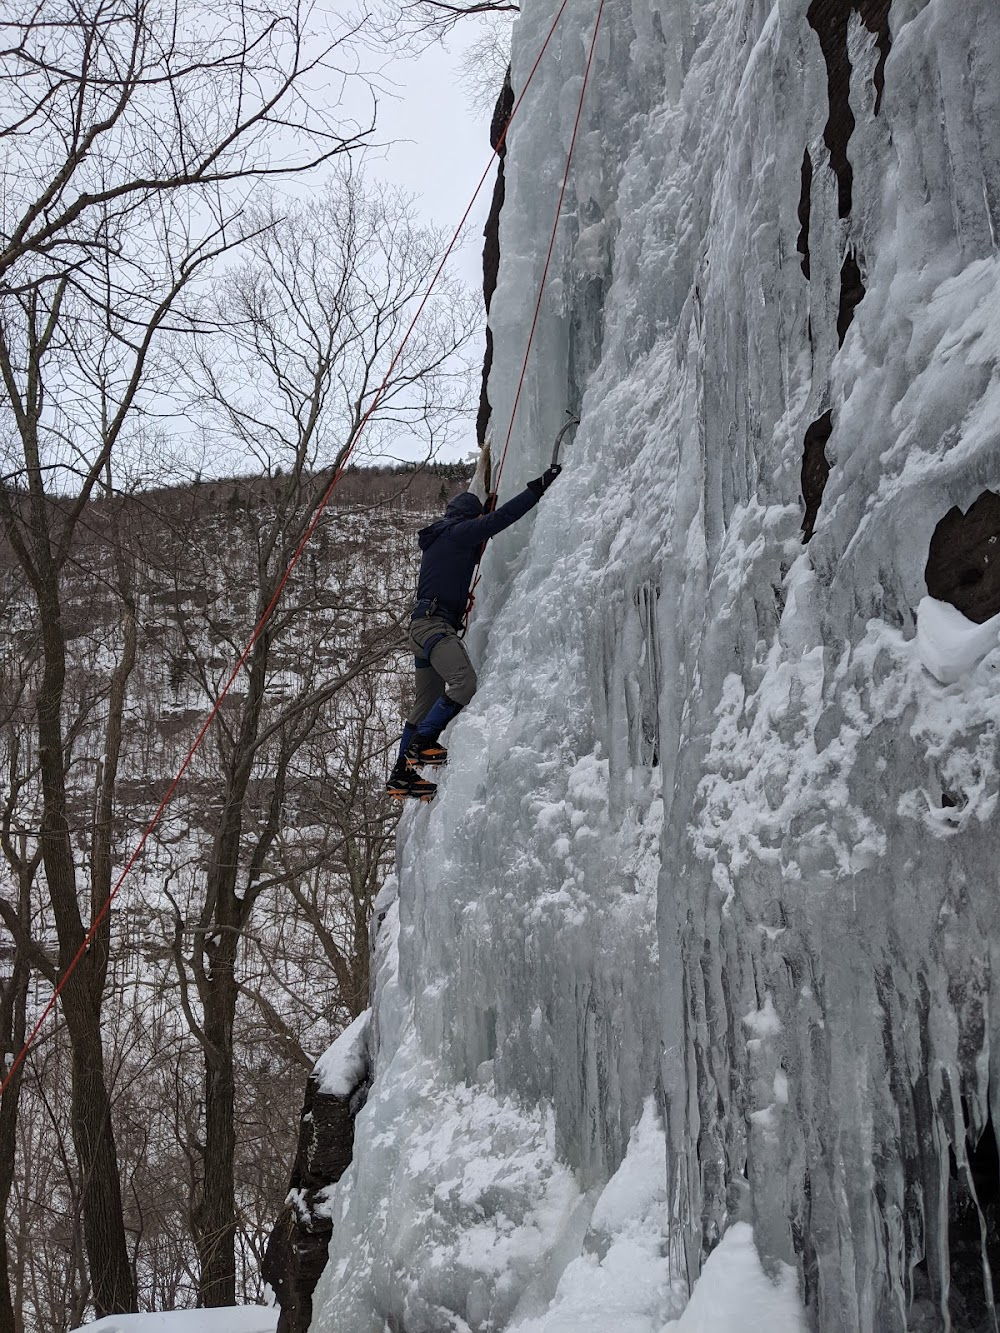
<point x="963" y="566"/>
<point x="831" y="20"/>
<point x="815" y="470"/>
<point x="297" y="1251"/>
<point x="491" y="242"/>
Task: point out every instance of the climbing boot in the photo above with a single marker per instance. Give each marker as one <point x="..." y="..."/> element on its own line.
<point x="405" y="782"/>
<point x="423" y="751"/>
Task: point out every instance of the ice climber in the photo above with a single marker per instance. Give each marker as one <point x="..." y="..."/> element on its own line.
<point x="445" y="678"/>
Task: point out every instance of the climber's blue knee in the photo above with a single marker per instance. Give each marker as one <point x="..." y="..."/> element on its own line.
<point x="438" y="717"/>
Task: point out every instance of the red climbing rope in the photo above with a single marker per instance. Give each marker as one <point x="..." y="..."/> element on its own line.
<point x="318" y="514"/>
<point x="541" y="292"/>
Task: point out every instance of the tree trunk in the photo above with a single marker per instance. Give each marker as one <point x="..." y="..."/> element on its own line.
<point x="103" y="1222"/>
<point x="13" y="1004"/>
<point x="215" y="1221"/>
<point x="226" y="912"/>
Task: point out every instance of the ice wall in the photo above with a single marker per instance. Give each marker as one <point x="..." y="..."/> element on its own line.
<point x="716" y="856"/>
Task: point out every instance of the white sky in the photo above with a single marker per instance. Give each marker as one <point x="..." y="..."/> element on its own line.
<point x="432" y="141"/>
<point x="439" y="146"/>
<point x="435" y="145"/>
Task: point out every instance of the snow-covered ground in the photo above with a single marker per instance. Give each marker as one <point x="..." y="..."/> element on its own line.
<point x="237" y="1319"/>
<point x="689" y="970"/>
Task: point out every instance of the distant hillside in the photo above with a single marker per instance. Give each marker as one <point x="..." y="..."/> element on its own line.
<point x="177" y="578"/>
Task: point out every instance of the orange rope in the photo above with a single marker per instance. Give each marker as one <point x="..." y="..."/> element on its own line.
<point x="541" y="292"/>
<point x="318" y="514"/>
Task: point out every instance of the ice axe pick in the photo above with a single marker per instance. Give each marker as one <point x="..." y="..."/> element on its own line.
<point x="574" y="420"/>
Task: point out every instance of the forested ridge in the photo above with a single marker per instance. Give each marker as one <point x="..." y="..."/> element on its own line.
<point x="286" y="933"/>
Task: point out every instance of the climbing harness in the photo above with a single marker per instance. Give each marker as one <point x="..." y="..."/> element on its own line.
<point x="321" y="507"/>
<point x="423" y="609"/>
<point x="541" y="292"/>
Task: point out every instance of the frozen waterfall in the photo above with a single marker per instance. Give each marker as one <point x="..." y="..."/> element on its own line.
<point x="698" y="936"/>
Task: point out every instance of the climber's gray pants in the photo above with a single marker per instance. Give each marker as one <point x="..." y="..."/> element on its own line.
<point x="448" y="671"/>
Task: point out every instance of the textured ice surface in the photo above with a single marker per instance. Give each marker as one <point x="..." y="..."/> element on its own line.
<point x="623" y="1273"/>
<point x="711" y="832"/>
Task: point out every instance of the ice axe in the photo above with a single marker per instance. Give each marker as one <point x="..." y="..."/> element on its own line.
<point x="574" y="420"/>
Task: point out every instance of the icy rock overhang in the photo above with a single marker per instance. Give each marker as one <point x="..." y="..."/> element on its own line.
<point x="711" y="833"/>
<point x="297" y="1249"/>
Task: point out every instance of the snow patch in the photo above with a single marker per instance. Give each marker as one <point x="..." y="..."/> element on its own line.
<point x="235" y="1319"/>
<point x="343" y="1066"/>
<point x="735" y="1295"/>
<point x="763" y="1022"/>
<point x="950" y="645"/>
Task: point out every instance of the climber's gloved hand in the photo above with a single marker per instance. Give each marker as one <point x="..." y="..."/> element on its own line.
<point x="541" y="484"/>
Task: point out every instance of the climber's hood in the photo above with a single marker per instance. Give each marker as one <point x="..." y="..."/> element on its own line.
<point x="463" y="506"/>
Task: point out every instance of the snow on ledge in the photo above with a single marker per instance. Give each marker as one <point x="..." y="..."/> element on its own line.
<point x="735" y="1295"/>
<point x="949" y="644"/>
<point x="234" y="1319"/>
<point x="342" y="1067"/>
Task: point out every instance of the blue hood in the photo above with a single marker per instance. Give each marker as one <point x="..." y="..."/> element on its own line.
<point x="464" y="506"/>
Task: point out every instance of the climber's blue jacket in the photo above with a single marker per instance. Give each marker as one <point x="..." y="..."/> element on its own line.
<point x="451" y="549"/>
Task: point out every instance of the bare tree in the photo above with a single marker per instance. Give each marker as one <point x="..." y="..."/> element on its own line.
<point x="312" y="318"/>
<point x="20" y="859"/>
<point x="132" y="138"/>
<point x="15" y="975"/>
<point x="117" y="118"/>
<point x="440" y="16"/>
<point x="412" y="25"/>
<point x="335" y="874"/>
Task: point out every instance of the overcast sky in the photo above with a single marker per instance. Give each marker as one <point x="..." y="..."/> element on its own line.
<point x="436" y="147"/>
<point x="439" y="145"/>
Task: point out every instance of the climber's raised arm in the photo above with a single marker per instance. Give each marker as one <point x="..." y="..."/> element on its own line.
<point x="445" y="677"/>
<point x="475" y="531"/>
